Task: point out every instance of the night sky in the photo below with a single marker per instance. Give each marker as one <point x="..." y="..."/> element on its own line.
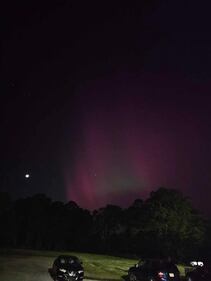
<point x="104" y="103"/>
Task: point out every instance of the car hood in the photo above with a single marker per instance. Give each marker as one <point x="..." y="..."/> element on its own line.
<point x="71" y="267"/>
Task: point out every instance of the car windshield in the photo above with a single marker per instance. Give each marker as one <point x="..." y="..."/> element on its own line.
<point x="158" y="265"/>
<point x="69" y="260"/>
<point x="153" y="264"/>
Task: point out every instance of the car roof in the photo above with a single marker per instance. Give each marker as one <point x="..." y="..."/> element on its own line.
<point x="151" y="260"/>
<point x="67" y="257"/>
<point x="154" y="262"/>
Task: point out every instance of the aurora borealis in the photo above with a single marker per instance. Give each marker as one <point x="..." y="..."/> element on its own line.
<point x="131" y="141"/>
<point x="103" y="104"/>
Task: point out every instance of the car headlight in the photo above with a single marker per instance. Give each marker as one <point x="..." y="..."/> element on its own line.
<point x="72" y="273"/>
<point x="62" y="270"/>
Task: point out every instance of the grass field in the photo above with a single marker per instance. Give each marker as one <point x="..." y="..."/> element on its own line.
<point x="22" y="265"/>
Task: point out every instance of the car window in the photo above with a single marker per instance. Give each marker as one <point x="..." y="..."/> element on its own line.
<point x="140" y="263"/>
<point x="146" y="266"/>
<point x="153" y="265"/>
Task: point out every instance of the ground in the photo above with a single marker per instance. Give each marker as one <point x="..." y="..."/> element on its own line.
<point x="21" y="265"/>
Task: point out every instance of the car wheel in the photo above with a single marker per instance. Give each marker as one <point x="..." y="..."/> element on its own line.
<point x="132" y="277"/>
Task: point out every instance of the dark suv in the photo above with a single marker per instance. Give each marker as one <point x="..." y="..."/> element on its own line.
<point x="67" y="268"/>
<point x="199" y="272"/>
<point x="154" y="270"/>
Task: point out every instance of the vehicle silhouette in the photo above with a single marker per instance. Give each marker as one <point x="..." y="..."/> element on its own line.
<point x="154" y="270"/>
<point x="67" y="268"/>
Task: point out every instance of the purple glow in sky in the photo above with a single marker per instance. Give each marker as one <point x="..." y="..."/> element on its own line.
<point x="102" y="104"/>
<point x="134" y="135"/>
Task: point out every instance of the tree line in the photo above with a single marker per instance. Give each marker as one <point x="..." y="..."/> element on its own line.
<point x="164" y="224"/>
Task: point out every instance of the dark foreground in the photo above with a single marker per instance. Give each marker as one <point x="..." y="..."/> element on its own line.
<point x="21" y="265"/>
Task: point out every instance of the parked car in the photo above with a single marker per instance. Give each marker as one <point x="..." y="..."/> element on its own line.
<point x="199" y="272"/>
<point x="154" y="270"/>
<point x="67" y="268"/>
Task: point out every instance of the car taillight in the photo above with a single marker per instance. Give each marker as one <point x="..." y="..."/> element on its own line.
<point x="161" y="275"/>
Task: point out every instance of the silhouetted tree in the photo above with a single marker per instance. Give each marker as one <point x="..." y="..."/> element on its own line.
<point x="164" y="224"/>
<point x="173" y="222"/>
<point x="134" y="224"/>
<point x="107" y="226"/>
<point x="5" y="209"/>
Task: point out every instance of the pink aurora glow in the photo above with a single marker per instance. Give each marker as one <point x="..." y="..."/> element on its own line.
<point x="128" y="145"/>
